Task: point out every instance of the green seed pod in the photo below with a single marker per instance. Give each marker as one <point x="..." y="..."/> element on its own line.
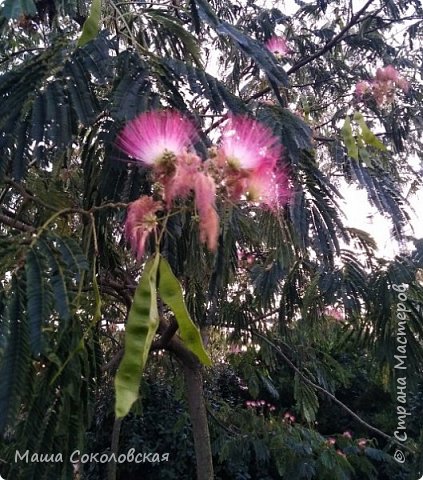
<point x="171" y="293"/>
<point x="143" y="321"/>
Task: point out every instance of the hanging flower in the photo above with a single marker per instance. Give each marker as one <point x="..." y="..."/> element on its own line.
<point x="386" y="74"/>
<point x="383" y="87"/>
<point x="141" y="220"/>
<point x="269" y="187"/>
<point x="362" y="88"/>
<point x="157" y="137"/>
<point x="180" y="182"/>
<point x="205" y="193"/>
<point x="278" y="46"/>
<point x="334" y="313"/>
<point x="390" y="74"/>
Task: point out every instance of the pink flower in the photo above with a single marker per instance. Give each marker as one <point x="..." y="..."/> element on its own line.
<point x="247" y="144"/>
<point x="362" y="88"/>
<point x="387" y="73"/>
<point x="180" y="182"/>
<point x="361" y="442"/>
<point x="156" y="137"/>
<point x="269" y="187"/>
<point x="403" y="84"/>
<point x="141" y="220"/>
<point x="382" y="88"/>
<point x="205" y="192"/>
<point x="250" y="259"/>
<point x="288" y="418"/>
<point x="334" y="313"/>
<point x="249" y="155"/>
<point x="331" y="441"/>
<point x="278" y="46"/>
<point x="347" y="434"/>
<point x="234" y="349"/>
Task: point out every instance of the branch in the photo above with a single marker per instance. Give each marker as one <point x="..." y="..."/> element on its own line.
<point x="354" y="20"/>
<point x="113" y="363"/>
<point x="328" y="394"/>
<point x="12" y="222"/>
<point x="169" y="331"/>
<point x="19" y="52"/>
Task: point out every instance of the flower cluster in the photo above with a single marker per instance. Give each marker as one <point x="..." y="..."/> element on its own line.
<point x="289" y="418"/>
<point x="382" y="88"/>
<point x="278" y="46"/>
<point x="334" y="313"/>
<point x="262" y="404"/>
<point x="246" y="165"/>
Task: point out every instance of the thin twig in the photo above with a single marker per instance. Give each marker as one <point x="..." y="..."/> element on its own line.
<point x="354" y="20"/>
<point x="12" y="222"/>
<point x="328" y="394"/>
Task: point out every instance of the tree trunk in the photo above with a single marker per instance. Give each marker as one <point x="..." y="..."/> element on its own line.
<point x="198" y="414"/>
<point x="111" y="468"/>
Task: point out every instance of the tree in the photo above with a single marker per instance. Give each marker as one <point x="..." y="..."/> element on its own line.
<point x="341" y="91"/>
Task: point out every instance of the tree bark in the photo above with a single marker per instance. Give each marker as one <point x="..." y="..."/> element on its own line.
<point x="111" y="468"/>
<point x="198" y="414"/>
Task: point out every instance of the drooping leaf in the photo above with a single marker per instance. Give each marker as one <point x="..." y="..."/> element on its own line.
<point x="174" y="27"/>
<point x="15" y="362"/>
<point x="294" y="134"/>
<point x="37" y="298"/>
<point x="250" y="47"/>
<point x="71" y="252"/>
<point x="57" y="280"/>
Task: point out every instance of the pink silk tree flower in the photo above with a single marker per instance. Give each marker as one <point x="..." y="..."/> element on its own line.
<point x="205" y="194"/>
<point x="362" y="88"/>
<point x="278" y="46"/>
<point x="250" y="154"/>
<point x="180" y="182"/>
<point x="270" y="188"/>
<point x="247" y="144"/>
<point x="387" y="73"/>
<point x="141" y="220"/>
<point x="156" y="137"/>
<point x="334" y="313"/>
<point x="383" y="87"/>
<point x="403" y="84"/>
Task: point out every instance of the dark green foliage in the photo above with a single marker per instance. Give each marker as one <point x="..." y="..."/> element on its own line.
<point x="208" y="86"/>
<point x="274" y="274"/>
<point x="15" y="366"/>
<point x="12" y="9"/>
<point x="37" y="298"/>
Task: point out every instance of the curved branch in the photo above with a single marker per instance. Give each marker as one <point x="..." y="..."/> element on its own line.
<point x="354" y="20"/>
<point x="328" y="394"/>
